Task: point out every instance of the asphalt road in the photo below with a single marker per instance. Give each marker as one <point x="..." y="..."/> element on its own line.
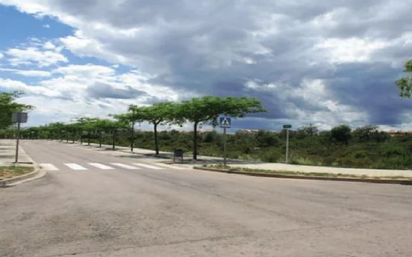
<point x="85" y="210"/>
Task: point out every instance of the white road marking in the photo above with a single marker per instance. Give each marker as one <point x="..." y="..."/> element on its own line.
<point x="75" y="166"/>
<point x="101" y="166"/>
<point x="48" y="166"/>
<point x="171" y="166"/>
<point x="124" y="166"/>
<point x="148" y="166"/>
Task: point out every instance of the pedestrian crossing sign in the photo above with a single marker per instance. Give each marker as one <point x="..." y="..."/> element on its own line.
<point x="225" y="122"/>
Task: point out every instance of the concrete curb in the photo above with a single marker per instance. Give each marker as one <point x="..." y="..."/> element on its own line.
<point x="22" y="178"/>
<point x="256" y="174"/>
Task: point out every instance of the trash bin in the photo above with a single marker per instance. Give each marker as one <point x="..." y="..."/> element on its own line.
<point x="178" y="153"/>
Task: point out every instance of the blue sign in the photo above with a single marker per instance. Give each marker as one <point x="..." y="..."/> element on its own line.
<point x="225" y="122"/>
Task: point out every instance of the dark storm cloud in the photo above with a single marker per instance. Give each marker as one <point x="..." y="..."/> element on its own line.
<point x="370" y="88"/>
<point x="101" y="90"/>
<point x="216" y="47"/>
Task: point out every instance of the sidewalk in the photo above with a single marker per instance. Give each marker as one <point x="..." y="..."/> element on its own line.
<point x="207" y="160"/>
<point x="333" y="170"/>
<point x="8" y="152"/>
<point x="162" y="157"/>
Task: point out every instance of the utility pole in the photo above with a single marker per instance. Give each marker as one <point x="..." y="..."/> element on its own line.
<point x="18" y="117"/>
<point x="224" y="147"/>
<point x="287" y="127"/>
<point x="225" y="122"/>
<point x="17" y="142"/>
<point x="132" y="139"/>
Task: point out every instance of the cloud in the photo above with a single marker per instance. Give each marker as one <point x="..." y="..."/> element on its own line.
<point x="34" y="56"/>
<point x="101" y="90"/>
<point x="32" y="90"/>
<point x="47" y="26"/>
<point x="28" y="73"/>
<point x="1" y="55"/>
<point x="321" y="62"/>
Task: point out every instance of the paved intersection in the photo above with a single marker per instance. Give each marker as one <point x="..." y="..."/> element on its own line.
<point x="90" y="204"/>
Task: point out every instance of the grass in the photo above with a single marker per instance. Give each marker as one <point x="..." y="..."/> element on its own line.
<point x="304" y="174"/>
<point x="13" y="171"/>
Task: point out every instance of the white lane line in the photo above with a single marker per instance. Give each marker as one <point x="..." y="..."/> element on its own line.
<point x="124" y="166"/>
<point x="148" y="166"/>
<point x="48" y="166"/>
<point x="171" y="166"/>
<point x="74" y="166"/>
<point x="101" y="166"/>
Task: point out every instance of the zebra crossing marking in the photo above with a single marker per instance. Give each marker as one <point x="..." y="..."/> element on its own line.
<point x="148" y="166"/>
<point x="124" y="166"/>
<point x="101" y="166"/>
<point x="75" y="166"/>
<point x="48" y="167"/>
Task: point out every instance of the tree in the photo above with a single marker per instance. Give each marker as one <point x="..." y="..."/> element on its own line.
<point x="8" y="106"/>
<point x="104" y="125"/>
<point x="159" y="113"/>
<point x="207" y="109"/>
<point x="88" y="125"/>
<point x="308" y="131"/>
<point x="56" y="129"/>
<point x="109" y="126"/>
<point x="134" y="115"/>
<point x="405" y="84"/>
<point x="365" y="133"/>
<point x="341" y="134"/>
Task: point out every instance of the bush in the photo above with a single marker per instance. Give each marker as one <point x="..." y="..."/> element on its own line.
<point x="272" y="155"/>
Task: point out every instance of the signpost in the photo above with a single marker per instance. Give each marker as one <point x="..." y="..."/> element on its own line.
<point x="287" y="127"/>
<point x="224" y="122"/>
<point x="18" y="117"/>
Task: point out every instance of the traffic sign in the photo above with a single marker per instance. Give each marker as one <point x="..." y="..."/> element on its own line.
<point x="225" y="122"/>
<point x="287" y="126"/>
<point x="19" y="117"/>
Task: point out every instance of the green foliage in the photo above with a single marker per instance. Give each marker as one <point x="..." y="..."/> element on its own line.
<point x="365" y="147"/>
<point x="207" y="109"/>
<point x="341" y="134"/>
<point x="8" y="106"/>
<point x="307" y="131"/>
<point x="405" y="84"/>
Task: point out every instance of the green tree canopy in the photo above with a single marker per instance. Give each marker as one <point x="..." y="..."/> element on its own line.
<point x="341" y="134"/>
<point x="159" y="113"/>
<point x="405" y="84"/>
<point x="207" y="109"/>
<point x="8" y="105"/>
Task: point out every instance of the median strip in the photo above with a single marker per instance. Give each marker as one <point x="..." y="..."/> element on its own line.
<point x="306" y="175"/>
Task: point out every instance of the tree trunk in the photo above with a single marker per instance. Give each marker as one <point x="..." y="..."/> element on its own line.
<point x="88" y="139"/>
<point x="74" y="135"/>
<point x="195" y="141"/>
<point x="132" y="139"/>
<point x="81" y="138"/>
<point x="100" y="139"/>
<point x="156" y="139"/>
<point x="114" y="140"/>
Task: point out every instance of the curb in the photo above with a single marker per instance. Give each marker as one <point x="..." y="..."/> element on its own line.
<point x="22" y="178"/>
<point x="376" y="181"/>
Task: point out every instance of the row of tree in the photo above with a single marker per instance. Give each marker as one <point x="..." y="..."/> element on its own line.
<point x="204" y="110"/>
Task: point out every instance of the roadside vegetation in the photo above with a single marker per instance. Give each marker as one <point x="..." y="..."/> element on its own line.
<point x="13" y="171"/>
<point x="342" y="146"/>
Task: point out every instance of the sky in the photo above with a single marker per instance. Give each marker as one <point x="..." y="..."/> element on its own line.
<point x="310" y="61"/>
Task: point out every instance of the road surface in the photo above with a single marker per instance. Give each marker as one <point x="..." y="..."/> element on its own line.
<point x="92" y="204"/>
